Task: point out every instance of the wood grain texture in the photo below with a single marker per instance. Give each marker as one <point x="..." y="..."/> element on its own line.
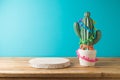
<point x="19" y="69"/>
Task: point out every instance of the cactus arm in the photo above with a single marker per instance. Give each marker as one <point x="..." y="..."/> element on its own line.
<point x="94" y="22"/>
<point x="98" y="36"/>
<point x="77" y="29"/>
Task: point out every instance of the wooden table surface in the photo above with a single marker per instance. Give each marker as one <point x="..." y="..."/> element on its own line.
<point x="19" y="69"/>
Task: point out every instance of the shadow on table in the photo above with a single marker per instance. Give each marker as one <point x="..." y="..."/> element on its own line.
<point x="108" y="63"/>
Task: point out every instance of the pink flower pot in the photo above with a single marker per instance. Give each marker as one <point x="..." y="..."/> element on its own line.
<point x="87" y="57"/>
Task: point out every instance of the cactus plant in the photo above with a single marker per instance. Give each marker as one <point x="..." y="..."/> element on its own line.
<point x="87" y="33"/>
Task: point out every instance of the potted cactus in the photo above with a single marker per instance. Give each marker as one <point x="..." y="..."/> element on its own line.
<point x="89" y="36"/>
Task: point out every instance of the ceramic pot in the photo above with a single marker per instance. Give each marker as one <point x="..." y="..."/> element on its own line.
<point x="87" y="57"/>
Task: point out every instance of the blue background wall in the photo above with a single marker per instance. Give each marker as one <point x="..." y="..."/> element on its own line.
<point x="45" y="27"/>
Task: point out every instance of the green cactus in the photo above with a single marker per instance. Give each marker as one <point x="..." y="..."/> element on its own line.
<point x="86" y="31"/>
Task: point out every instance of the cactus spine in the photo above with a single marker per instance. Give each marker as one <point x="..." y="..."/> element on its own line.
<point x="87" y="33"/>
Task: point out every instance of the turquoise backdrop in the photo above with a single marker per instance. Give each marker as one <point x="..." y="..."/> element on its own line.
<point x="45" y="27"/>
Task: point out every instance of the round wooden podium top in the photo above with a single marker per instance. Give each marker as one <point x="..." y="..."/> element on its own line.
<point x="49" y="62"/>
